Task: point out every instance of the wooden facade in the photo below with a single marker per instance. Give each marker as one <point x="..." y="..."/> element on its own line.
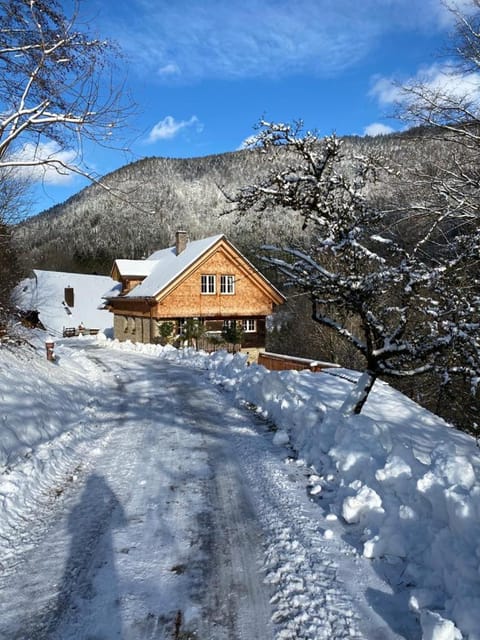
<point x="208" y="280"/>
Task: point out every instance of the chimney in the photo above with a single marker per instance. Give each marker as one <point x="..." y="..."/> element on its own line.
<point x="69" y="296"/>
<point x="180" y="242"/>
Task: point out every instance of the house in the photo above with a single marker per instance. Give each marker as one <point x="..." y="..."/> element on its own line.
<point x="61" y="301"/>
<point x="208" y="280"/>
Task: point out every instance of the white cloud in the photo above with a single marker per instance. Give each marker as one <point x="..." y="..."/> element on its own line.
<point x="169" y="127"/>
<point x="43" y="163"/>
<point x="255" y="38"/>
<point x="170" y="69"/>
<point x="441" y="79"/>
<point x="377" y="129"/>
<point x="386" y="90"/>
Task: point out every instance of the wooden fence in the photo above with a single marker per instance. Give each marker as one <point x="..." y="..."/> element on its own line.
<point x="280" y="362"/>
<point x="70" y="332"/>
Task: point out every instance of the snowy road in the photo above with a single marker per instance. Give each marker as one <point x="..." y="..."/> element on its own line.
<point x="179" y="518"/>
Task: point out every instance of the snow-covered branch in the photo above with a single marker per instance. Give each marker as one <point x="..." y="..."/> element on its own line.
<point x="394" y="297"/>
<point x="54" y="84"/>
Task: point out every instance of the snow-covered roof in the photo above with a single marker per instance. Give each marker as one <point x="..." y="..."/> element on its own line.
<point x="134" y="267"/>
<point x="45" y="293"/>
<point x="167" y="265"/>
<point x="113" y="292"/>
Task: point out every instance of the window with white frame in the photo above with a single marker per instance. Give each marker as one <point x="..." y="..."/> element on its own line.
<point x="249" y="325"/>
<point x="227" y="284"/>
<point x="207" y="283"/>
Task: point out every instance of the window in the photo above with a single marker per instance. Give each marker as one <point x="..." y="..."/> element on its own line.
<point x="208" y="283"/>
<point x="249" y="325"/>
<point x="227" y="284"/>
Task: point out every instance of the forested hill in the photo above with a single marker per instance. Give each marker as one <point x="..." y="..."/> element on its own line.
<point x="146" y="201"/>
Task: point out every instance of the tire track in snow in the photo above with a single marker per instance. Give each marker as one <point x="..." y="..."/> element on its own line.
<point x="309" y="600"/>
<point x="233" y="599"/>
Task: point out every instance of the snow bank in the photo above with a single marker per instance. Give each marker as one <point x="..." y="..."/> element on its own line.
<point x="40" y="398"/>
<point x="405" y="483"/>
<point x="48" y="415"/>
<point x="413" y="497"/>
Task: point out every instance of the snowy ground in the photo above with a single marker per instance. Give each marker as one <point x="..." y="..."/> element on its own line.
<point x="146" y="493"/>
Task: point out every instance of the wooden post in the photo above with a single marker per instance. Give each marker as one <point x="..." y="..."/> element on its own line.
<point x="49" y="346"/>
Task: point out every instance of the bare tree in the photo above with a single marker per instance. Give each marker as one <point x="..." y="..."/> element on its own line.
<point x="398" y="300"/>
<point x="56" y="86"/>
<point x="446" y="197"/>
<point x="57" y="90"/>
<point x="448" y="110"/>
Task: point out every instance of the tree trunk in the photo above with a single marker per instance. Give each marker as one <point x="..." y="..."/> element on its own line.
<point x="356" y="399"/>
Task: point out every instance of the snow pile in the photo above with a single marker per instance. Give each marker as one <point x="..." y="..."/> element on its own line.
<point x="36" y="395"/>
<point x="48" y="410"/>
<point x="405" y="483"/>
<point x="413" y="495"/>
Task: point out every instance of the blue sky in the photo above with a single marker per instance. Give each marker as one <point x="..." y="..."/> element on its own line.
<point x="203" y="72"/>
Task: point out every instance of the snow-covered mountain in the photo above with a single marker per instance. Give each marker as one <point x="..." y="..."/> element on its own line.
<point x="148" y="200"/>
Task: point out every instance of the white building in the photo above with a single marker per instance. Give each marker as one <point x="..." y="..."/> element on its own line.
<point x="66" y="300"/>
